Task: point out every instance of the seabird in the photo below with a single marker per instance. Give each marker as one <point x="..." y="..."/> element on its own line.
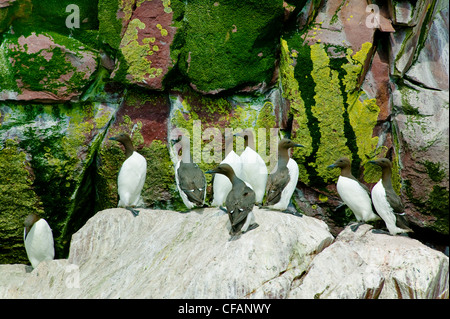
<point x="221" y="184"/>
<point x="254" y="170"/>
<point x="353" y="193"/>
<point x="131" y="177"/>
<point x="191" y="181"/>
<point x="38" y="239"/>
<point x="239" y="202"/>
<point x="281" y="184"/>
<point x="387" y="203"/>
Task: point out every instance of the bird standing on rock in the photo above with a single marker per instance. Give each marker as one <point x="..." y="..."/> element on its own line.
<point x="387" y="203"/>
<point x="132" y="174"/>
<point x="239" y="202"/>
<point x="221" y="184"/>
<point x="281" y="184"/>
<point x="254" y="170"/>
<point x="191" y="181"/>
<point x="38" y="239"/>
<point x="353" y="193"/>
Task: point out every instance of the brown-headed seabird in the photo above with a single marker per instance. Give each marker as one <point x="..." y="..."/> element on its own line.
<point x="239" y="202"/>
<point x="131" y="178"/>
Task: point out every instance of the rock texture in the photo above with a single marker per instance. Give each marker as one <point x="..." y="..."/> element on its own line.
<point x="44" y="67"/>
<point x="357" y="78"/>
<point x="165" y="254"/>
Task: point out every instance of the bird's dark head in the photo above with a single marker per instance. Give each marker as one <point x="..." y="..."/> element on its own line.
<point x="29" y="222"/>
<point x="224" y="169"/>
<point x="126" y="142"/>
<point x="341" y="163"/>
<point x="382" y="162"/>
<point x="122" y="138"/>
<point x="286" y="143"/>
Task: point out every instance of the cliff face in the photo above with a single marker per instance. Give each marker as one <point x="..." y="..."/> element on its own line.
<point x="166" y="254"/>
<point x="341" y="77"/>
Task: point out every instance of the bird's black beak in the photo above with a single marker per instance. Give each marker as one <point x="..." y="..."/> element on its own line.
<point x="211" y="171"/>
<point x="113" y="138"/>
<point x="298" y="145"/>
<point x="331" y="166"/>
<point x="373" y="162"/>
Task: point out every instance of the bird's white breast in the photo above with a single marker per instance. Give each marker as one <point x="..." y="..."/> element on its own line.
<point x="356" y="198"/>
<point x="222" y="185"/>
<point x="131" y="180"/>
<point x="39" y="243"/>
<point x="287" y="192"/>
<point x="254" y="172"/>
<point x="384" y="209"/>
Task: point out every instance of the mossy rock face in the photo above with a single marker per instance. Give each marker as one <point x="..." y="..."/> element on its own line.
<point x="54" y="146"/>
<point x="9" y="10"/>
<point x="143" y="116"/>
<point x="332" y="117"/>
<point x="210" y="122"/>
<point x="230" y="44"/>
<point x="18" y="199"/>
<point x="142" y="33"/>
<point x="44" y="66"/>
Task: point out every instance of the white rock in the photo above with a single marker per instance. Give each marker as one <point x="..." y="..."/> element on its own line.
<point x="165" y="254"/>
<point x="368" y="265"/>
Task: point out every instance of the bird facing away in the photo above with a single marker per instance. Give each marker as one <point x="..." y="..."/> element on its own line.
<point x="281" y="184"/>
<point x="38" y="239"/>
<point x="387" y="203"/>
<point x="221" y="184"/>
<point x="132" y="174"/>
<point x="191" y="181"/>
<point x="254" y="170"/>
<point x="239" y="202"/>
<point x="353" y="193"/>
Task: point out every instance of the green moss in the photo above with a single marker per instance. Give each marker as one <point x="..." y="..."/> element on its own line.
<point x="329" y="109"/>
<point x="291" y="92"/>
<point x="48" y="70"/>
<point x="434" y="171"/>
<point x="301" y="57"/>
<point x="60" y="142"/>
<point x="231" y="44"/>
<point x="18" y="199"/>
<point x="160" y="190"/>
<point x="438" y="206"/>
<point x="135" y="54"/>
<point x="110" y="27"/>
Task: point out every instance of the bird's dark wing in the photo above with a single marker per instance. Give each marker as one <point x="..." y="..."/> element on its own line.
<point x="364" y="187"/>
<point x="276" y="182"/>
<point x="394" y="200"/>
<point x="239" y="204"/>
<point x="192" y="182"/>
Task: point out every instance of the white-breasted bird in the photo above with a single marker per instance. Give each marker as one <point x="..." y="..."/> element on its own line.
<point x="254" y="170"/>
<point x="221" y="184"/>
<point x="353" y="193"/>
<point x="132" y="174"/>
<point x="38" y="238"/>
<point x="282" y="182"/>
<point x="387" y="203"/>
<point x="191" y="181"/>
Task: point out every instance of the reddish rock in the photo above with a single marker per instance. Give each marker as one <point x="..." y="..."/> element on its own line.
<point x="45" y="67"/>
<point x="146" y="38"/>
